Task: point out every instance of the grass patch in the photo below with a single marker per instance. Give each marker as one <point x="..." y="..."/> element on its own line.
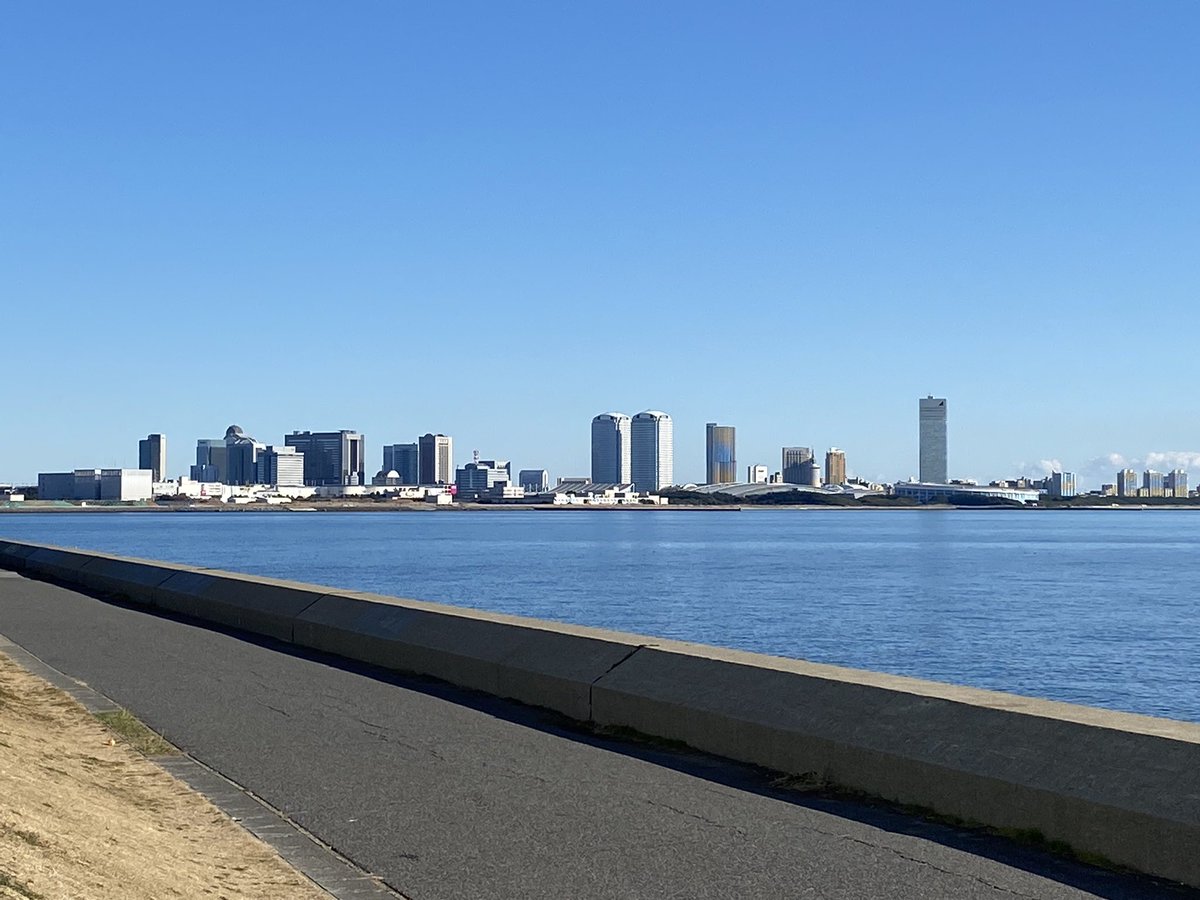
<point x="18" y="887"/>
<point x="130" y="729"/>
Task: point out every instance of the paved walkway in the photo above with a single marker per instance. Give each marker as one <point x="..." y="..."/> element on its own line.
<point x="446" y="794"/>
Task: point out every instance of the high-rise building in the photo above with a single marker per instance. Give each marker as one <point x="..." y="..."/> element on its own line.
<point x="330" y="457"/>
<point x="280" y="466"/>
<point x="404" y="459"/>
<point x="810" y="473"/>
<point x="835" y="466"/>
<point x="1153" y="483"/>
<point x="1127" y="483"/>
<point x="720" y="446"/>
<point x="534" y="481"/>
<point x="652" y="457"/>
<point x="241" y="456"/>
<point x="152" y="455"/>
<point x="794" y="459"/>
<point x="1061" y="484"/>
<point x="210" y="460"/>
<point x="756" y="474"/>
<point x="436" y="459"/>
<point x="611" y="450"/>
<point x="933" y="440"/>
<point x="1176" y="483"/>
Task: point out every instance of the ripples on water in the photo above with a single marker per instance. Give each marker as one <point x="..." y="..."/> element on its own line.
<point x="1095" y="607"/>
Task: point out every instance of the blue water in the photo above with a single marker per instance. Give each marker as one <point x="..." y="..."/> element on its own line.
<point x="1095" y="607"/>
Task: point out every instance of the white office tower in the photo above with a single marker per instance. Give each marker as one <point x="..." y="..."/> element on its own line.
<point x="611" y="449"/>
<point x="933" y="440"/>
<point x="652" y="459"/>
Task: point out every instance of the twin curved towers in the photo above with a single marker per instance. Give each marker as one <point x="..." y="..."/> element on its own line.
<point x="638" y="451"/>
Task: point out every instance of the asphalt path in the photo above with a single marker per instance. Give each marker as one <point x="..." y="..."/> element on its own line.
<point x="450" y="794"/>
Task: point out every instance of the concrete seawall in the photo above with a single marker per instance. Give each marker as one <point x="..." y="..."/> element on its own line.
<point x="1123" y="786"/>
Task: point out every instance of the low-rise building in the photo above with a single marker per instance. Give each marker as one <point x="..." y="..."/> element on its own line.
<point x="925" y="492"/>
<point x="756" y="474"/>
<point x="126" y="485"/>
<point x="478" y="477"/>
<point x="56" y="486"/>
<point x="534" y="481"/>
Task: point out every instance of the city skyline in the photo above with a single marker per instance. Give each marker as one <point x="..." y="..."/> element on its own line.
<point x="1091" y="476"/>
<point x="941" y="175"/>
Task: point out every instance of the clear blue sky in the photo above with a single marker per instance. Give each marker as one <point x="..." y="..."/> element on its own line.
<point x="496" y="220"/>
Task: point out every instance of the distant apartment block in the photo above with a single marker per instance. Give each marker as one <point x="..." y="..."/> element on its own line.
<point x="1061" y="485"/>
<point x="835" y="466"/>
<point x="794" y="459"/>
<point x="280" y="466"/>
<point x="1127" y="483"/>
<point x="152" y="455"/>
<point x="652" y="454"/>
<point x="1153" y="484"/>
<point x="612" y="451"/>
<point x="534" y="481"/>
<point x="1176" y="483"/>
<point x="436" y="459"/>
<point x="932" y="452"/>
<point x="720" y="454"/>
<point x="404" y="460"/>
<point x="810" y="473"/>
<point x="331" y="458"/>
<point x="756" y="474"/>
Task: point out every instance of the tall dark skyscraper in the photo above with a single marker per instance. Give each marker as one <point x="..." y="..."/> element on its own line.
<point x="652" y="454"/>
<point x="152" y="455"/>
<point x="330" y="457"/>
<point x="612" y="450"/>
<point x="436" y="452"/>
<point x="404" y="460"/>
<point x="720" y="454"/>
<point x="933" y="440"/>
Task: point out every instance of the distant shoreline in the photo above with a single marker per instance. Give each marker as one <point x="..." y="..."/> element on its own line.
<point x="217" y="509"/>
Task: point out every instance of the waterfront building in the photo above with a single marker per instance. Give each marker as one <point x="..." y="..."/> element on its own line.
<point x="794" y="459"/>
<point x="720" y="454"/>
<point x="652" y="454"/>
<point x="330" y="457"/>
<point x="952" y="493"/>
<point x="1108" y="490"/>
<point x="933" y="440"/>
<point x="481" y="476"/>
<point x="280" y="466"/>
<point x="612" y="460"/>
<point x="404" y="460"/>
<point x="152" y="455"/>
<point x="56" y="486"/>
<point x="210" y="460"/>
<point x="241" y="455"/>
<point x="835" y="466"/>
<point x="125" y="485"/>
<point x="1127" y="483"/>
<point x="534" y="481"/>
<point x="756" y="474"/>
<point x="1176" y="483"/>
<point x="1061" y="484"/>
<point x="86" y="484"/>
<point x="435" y="459"/>
<point x="1152" y="482"/>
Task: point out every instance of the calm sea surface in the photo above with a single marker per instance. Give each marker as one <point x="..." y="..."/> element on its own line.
<point x="1095" y="607"/>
